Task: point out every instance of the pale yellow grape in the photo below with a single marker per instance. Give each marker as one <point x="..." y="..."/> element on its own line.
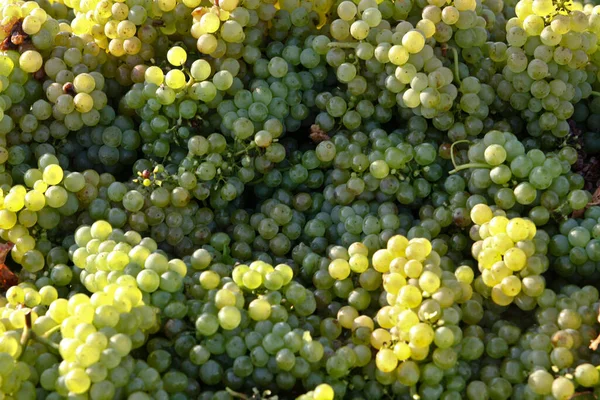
<point x="484" y="231"/>
<point x="83" y="102"/>
<point x="176" y="56"/>
<point x="359" y="30"/>
<point x="398" y="55"/>
<point x="429" y="281"/>
<point x="210" y="23"/>
<point x="392" y="282"/>
<point x="426" y="27"/>
<point x="339" y="269"/>
<point x="402" y="351"/>
<point x="384" y="318"/>
<point x="252" y="279"/>
<point x="381" y="260"/>
<point x="413" y="41"/>
<point x="77" y="381"/>
<point x="229" y="317"/>
<point x="531" y="228"/>
<point x="413" y="268"/>
<point x="358" y="263"/>
<point x="418" y="250"/>
<point x="409" y="296"/>
<point x="511" y="285"/>
<point x="175" y="79"/>
<point x="542" y="7"/>
<point x="154" y="75"/>
<point x="500" y="271"/>
<point x="228" y="5"/>
<point x="523" y="8"/>
<point x="515" y="259"/>
<point x="53" y="174"/>
<point x="31" y="61"/>
<point x="323" y="392"/>
<point x="421" y="335"/>
<point x="380" y="337"/>
<point x="209" y="279"/>
<point x="363" y="321"/>
<point x="450" y="15"/>
<point x="31" y="25"/>
<point x="386" y="360"/>
<point x="397" y="265"/>
<point x="14" y="202"/>
<point x="499" y="297"/>
<point x="481" y="213"/>
<point x="8" y="219"/>
<point x="488" y="257"/>
<point x="464" y="274"/>
<point x="346" y="316"/>
<point x="502" y="242"/>
<point x="498" y="225"/>
<point x="517" y="229"/>
<point x="286" y="271"/>
<point x="347" y="10"/>
<point x="224" y="298"/>
<point x="396" y="245"/>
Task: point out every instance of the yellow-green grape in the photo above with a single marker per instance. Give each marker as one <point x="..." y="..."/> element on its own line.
<point x="380" y="337"/>
<point x="252" y="279"/>
<point x="413" y="268"/>
<point x="323" y="392"/>
<point x="518" y="229"/>
<point x="409" y="296"/>
<point x="286" y="272"/>
<point x="429" y="282"/>
<point x="402" y="351"/>
<point x="209" y="280"/>
<point x="511" y="285"/>
<point x="418" y="249"/>
<point x="413" y="41"/>
<point x="381" y="260"/>
<point x="421" y="335"/>
<point x="77" y="381"/>
<point x="14" y="201"/>
<point x="228" y="5"/>
<point x="177" y="56"/>
<point x="175" y="79"/>
<point x="499" y="297"/>
<point x="154" y="75"/>
<point x="392" y="282"/>
<point x="31" y="61"/>
<point x="339" y="269"/>
<point x="210" y="23"/>
<point x="360" y="248"/>
<point x="386" y="360"/>
<point x="488" y="257"/>
<point x="100" y="230"/>
<point x="501" y="242"/>
<point x="464" y="274"/>
<point x="346" y="316"/>
<point x="397" y="246"/>
<point x="498" y="225"/>
<point x="229" y="317"/>
<point x="259" y="310"/>
<point x="481" y="213"/>
<point x="515" y="259"/>
<point x="358" y="263"/>
<point x="52" y="174"/>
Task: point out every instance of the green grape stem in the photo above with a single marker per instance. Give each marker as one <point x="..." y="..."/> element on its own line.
<point x="594" y="93"/>
<point x="456" y="167"/>
<point x="456" y="71"/>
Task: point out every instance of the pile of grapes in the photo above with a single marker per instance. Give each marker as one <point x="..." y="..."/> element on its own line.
<point x="299" y="199"/>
